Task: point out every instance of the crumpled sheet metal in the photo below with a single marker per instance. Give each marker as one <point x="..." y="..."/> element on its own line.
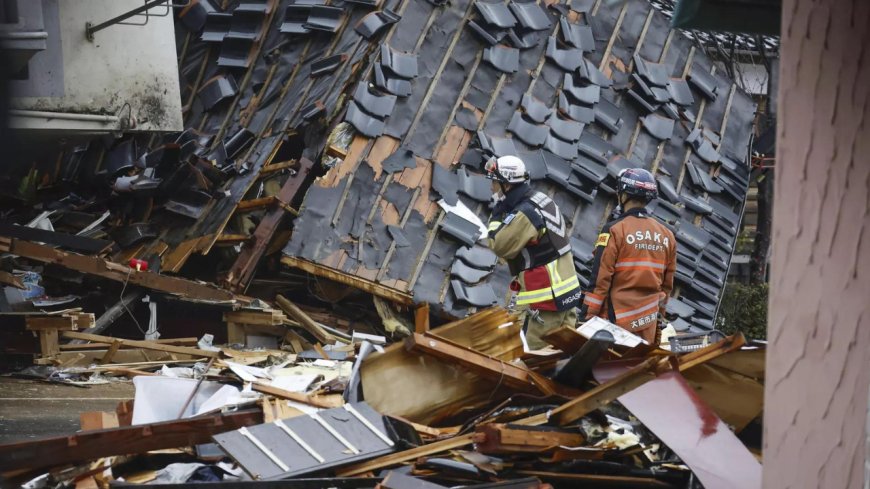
<point x="672" y="410"/>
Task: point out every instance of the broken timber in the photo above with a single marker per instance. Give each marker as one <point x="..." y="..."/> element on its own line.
<point x="494" y="438"/>
<point x="145" y="345"/>
<point x="120" y="273"/>
<point x="242" y="271"/>
<point x="483" y="365"/>
<point x="351" y="280"/>
<point x="304" y="320"/>
<point x="407" y="455"/>
<point x="91" y="445"/>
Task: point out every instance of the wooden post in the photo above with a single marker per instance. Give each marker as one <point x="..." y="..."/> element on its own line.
<point x="421" y="319"/>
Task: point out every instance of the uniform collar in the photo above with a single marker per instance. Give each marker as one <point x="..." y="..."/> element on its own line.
<point x="637" y="212"/>
<point x="512" y="198"/>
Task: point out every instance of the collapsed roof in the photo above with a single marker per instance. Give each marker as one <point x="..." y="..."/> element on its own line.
<point x="400" y="101"/>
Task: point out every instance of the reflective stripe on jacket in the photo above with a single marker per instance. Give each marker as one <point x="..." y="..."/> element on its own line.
<point x="633" y="272"/>
<point x="519" y="234"/>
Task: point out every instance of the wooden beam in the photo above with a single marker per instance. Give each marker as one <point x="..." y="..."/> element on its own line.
<point x="110" y="353"/>
<point x="487" y="367"/>
<point x="272" y="168"/>
<point x="607" y="392"/>
<point x="494" y="438"/>
<point x="145" y="345"/>
<point x="421" y="318"/>
<point x="190" y="341"/>
<point x="292" y="396"/>
<point x="90" y="445"/>
<point x="119" y="273"/>
<point x="242" y="271"/>
<point x="253" y="204"/>
<point x="369" y="286"/>
<point x="406" y="456"/>
<point x="304" y="320"/>
<point x="56" y="323"/>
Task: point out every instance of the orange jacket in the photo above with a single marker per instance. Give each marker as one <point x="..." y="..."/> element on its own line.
<point x="633" y="272"/>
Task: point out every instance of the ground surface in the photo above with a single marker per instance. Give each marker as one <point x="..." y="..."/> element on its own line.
<point x="30" y="409"/>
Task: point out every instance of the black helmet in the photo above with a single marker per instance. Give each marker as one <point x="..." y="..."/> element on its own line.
<point x="637" y="183"/>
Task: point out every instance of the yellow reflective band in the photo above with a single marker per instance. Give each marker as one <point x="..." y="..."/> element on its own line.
<point x="494" y="225"/>
<point x="603" y="239"/>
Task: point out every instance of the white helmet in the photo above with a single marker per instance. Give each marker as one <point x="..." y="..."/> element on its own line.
<point x="507" y="169"/>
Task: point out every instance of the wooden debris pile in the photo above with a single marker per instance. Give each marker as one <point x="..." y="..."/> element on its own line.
<point x="459" y="405"/>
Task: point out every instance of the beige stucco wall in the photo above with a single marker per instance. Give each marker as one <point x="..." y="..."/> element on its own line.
<point x="818" y="363"/>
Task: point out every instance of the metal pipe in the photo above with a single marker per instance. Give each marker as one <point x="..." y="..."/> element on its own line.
<point x="64" y="116"/>
<point x="90" y="30"/>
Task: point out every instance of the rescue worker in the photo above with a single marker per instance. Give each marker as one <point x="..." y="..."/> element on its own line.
<point x="528" y="231"/>
<point x="635" y="259"/>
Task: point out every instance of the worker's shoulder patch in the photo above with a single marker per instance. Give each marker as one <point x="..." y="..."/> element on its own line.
<point x="603" y="239"/>
<point x="510" y="217"/>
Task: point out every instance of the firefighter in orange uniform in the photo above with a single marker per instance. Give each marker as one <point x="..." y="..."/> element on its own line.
<point x="635" y="260"/>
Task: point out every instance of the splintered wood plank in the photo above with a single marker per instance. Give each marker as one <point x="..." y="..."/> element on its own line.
<point x="145" y="345"/>
<point x="413" y="177"/>
<point x="445" y="153"/>
<point x="384" y="146"/>
<point x="406" y="455"/>
<point x="389" y="213"/>
<point x="358" y="147"/>
<point x="344" y="278"/>
<point x="174" y="260"/>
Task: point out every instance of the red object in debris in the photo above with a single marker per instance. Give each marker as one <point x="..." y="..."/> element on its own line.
<point x="139" y="265"/>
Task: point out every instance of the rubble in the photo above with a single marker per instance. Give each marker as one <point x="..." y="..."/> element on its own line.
<point x="275" y="282"/>
<point x="461" y="404"/>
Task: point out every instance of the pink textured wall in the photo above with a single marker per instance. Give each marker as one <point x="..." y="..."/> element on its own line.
<point x="819" y="361"/>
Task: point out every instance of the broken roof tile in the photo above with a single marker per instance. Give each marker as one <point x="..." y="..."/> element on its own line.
<point x="524" y="40"/>
<point x="579" y="113"/>
<point x="680" y="92"/>
<point x="667" y="190"/>
<point x="530" y="133"/>
<point x="236" y="52"/>
<point x="642" y="102"/>
<point x="702" y="179"/>
<point x="373" y="22"/>
<point x="477" y="256"/>
<point x="503" y="58"/>
<point x="530" y="15"/>
<point x="589" y="72"/>
<point x="566" y="129"/>
<point x="476" y="186"/>
<point x="467" y="274"/>
<point x="445" y="183"/>
<point x="376" y="104"/>
<point x="247" y="24"/>
<point x="496" y="13"/>
<point x="568" y="59"/>
<point x="390" y="84"/>
<point x="596" y="148"/>
<point x="216" y="27"/>
<point x="662" y="128"/>
<point x="324" y="18"/>
<point x="497" y="146"/>
<point x="608" y="115"/>
<point x="654" y="73"/>
<point x="704" y="82"/>
<point x="295" y="18"/>
<point x="586" y="95"/>
<point x="577" y="35"/>
<point x="463" y="230"/>
<point x="695" y="204"/>
<point x="216" y="90"/>
<point x="324" y="66"/>
<point x="402" y="158"/>
<point x="535" y="165"/>
<point x="403" y="65"/>
<point x="479" y="296"/>
<point x="590" y="169"/>
<point x="535" y="109"/>
<point x="367" y="125"/>
<point x="563" y="149"/>
<point x="487" y="34"/>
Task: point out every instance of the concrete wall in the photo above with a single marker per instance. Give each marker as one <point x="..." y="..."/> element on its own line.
<point x="127" y="71"/>
<point x="818" y="365"/>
